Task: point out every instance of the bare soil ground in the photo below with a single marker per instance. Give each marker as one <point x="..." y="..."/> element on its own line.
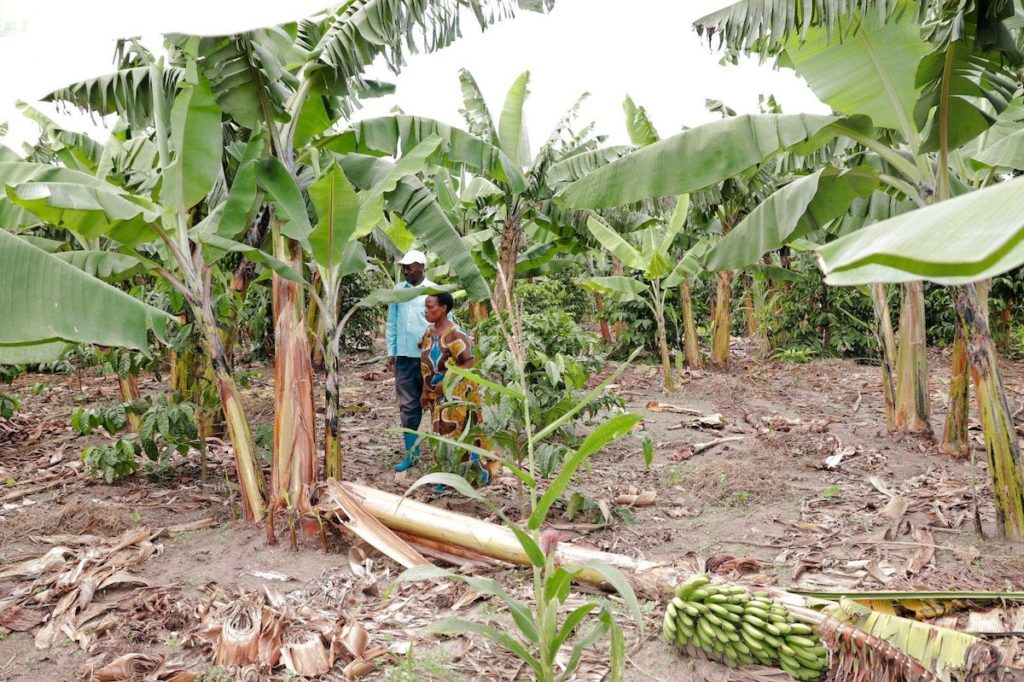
<point x="806" y="489"/>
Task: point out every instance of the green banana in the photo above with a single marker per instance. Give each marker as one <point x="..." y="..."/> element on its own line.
<point x="738" y="627"/>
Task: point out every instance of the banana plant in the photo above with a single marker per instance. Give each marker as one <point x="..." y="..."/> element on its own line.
<point x="648" y="259"/>
<point x="937" y="88"/>
<point x="642" y="132"/>
<point x="945" y="83"/>
<point x="49" y="303"/>
<point x="512" y="190"/>
<point x="189" y="139"/>
<point x="284" y="86"/>
<point x="898" y="88"/>
<point x="345" y="216"/>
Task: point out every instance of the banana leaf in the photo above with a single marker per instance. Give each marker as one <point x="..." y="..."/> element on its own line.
<point x="617" y="287"/>
<point x="108" y="266"/>
<point x="1006" y="153"/>
<point x="615" y="244"/>
<point x="975" y="85"/>
<point x="396" y="135"/>
<point x="512" y="125"/>
<point x="423" y="216"/>
<point x="964" y="239"/>
<point x="337" y="207"/>
<point x="693" y="159"/>
<point x="797" y="209"/>
<point x="197" y="141"/>
<point x="871" y="72"/>
<point x="45" y="300"/>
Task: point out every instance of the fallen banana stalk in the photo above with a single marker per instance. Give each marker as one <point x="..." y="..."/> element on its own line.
<point x="462" y="533"/>
<point x="863" y="644"/>
<point x="366" y="526"/>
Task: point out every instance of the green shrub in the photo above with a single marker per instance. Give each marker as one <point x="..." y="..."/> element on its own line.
<point x="112" y="460"/>
<point x="560" y="358"/>
<point x="807" y="317"/>
<point x="640" y="329"/>
<point x="365" y="323"/>
<point x="9" y="406"/>
<point x="8" y="373"/>
<point x="165" y="428"/>
<point x="111" y="418"/>
<point x="168" y="428"/>
<point x="563" y="293"/>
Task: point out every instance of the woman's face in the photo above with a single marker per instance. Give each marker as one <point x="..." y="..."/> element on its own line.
<point x="435" y="312"/>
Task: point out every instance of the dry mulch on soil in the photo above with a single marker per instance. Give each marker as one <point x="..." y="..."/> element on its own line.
<point x="776" y="473"/>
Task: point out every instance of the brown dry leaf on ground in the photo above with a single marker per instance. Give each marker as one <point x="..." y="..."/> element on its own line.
<point x="733" y="566"/>
<point x="924" y="553"/>
<point x="20" y="619"/>
<point x="140" y="668"/>
<point x="657" y="406"/>
<point x="681" y="512"/>
<point x="632" y="498"/>
<point x="270" y="629"/>
<point x="67" y="577"/>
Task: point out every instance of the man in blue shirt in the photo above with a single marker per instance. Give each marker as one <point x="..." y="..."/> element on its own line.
<point x="406" y="325"/>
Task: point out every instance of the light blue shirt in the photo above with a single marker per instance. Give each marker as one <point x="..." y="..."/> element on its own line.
<point x="406" y="324"/>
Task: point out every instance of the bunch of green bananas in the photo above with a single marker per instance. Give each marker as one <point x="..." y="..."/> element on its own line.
<point x="740" y="627"/>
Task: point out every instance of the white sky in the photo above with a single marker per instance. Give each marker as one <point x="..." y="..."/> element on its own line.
<point x="648" y="50"/>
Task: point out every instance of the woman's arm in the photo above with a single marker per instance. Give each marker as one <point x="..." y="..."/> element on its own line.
<point x="465" y="359"/>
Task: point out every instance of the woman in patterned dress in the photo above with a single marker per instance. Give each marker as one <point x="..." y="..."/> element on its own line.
<point x="444" y="344"/>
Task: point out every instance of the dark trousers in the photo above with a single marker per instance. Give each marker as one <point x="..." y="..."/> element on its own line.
<point x="409" y="387"/>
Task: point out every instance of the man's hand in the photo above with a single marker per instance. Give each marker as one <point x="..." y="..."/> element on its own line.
<point x="391" y="363"/>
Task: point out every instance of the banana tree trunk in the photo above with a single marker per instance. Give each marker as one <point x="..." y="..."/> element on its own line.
<point x="315" y="325"/>
<point x="618" y="270"/>
<point x="477" y="312"/>
<point x="187" y="370"/>
<point x="691" y="346"/>
<point x="983" y="288"/>
<point x="1001" y="446"/>
<point x="251" y="483"/>
<point x="912" y="399"/>
<point x="239" y="287"/>
<point x="759" y="300"/>
<point x="172" y="374"/>
<point x="721" y="321"/>
<point x="332" y="446"/>
<point x="203" y="429"/>
<point x="129" y="394"/>
<point x="507" y="257"/>
<point x="440" y="525"/>
<point x="176" y="371"/>
<point x="294" y="465"/>
<point x="748" y="308"/>
<point x="606" y="331"/>
<point x="666" y="365"/>
<point x="886" y="350"/>
<point x="955" y="439"/>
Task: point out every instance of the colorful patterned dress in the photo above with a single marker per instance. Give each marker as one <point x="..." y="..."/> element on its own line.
<point x="453" y="413"/>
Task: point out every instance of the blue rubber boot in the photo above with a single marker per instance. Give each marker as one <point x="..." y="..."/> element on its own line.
<point x="485" y="475"/>
<point x="412" y="453"/>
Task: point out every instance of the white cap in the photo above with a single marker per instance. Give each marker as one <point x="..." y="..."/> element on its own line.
<point x="413" y="256"/>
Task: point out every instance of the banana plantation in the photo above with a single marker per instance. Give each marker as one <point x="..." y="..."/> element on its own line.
<point x="293" y="391"/>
